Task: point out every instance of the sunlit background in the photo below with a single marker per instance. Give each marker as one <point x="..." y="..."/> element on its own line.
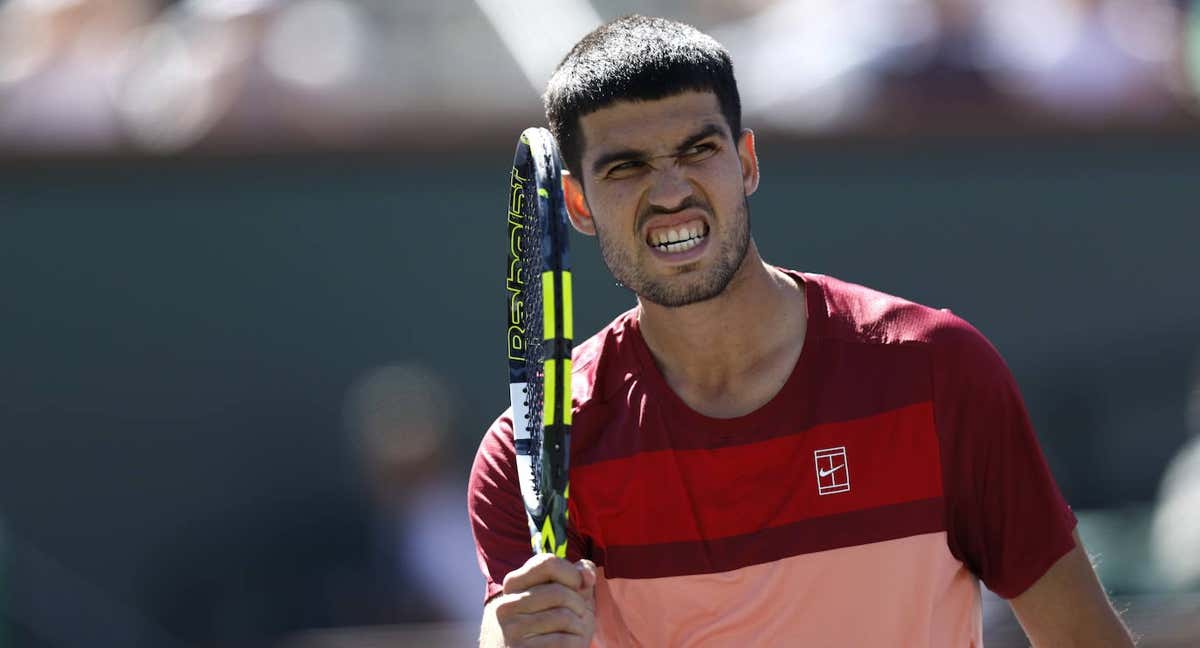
<point x="250" y="281"/>
<point x="144" y="76"/>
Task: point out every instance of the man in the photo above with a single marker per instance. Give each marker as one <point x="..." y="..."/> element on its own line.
<point x="761" y="457"/>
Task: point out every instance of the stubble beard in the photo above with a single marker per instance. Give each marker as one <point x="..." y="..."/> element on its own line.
<point x="681" y="289"/>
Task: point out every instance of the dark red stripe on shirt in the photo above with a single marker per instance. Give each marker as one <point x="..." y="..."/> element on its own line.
<point x="768" y="545"/>
<point x="679" y="496"/>
<point x="644" y="415"/>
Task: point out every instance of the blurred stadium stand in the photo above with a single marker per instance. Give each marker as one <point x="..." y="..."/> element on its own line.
<point x="253" y="75"/>
<point x="222" y="218"/>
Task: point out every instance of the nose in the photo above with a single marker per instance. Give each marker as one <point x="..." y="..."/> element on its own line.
<point x="669" y="189"/>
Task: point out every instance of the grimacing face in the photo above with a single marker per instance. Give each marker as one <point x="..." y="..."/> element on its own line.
<point x="665" y="189"/>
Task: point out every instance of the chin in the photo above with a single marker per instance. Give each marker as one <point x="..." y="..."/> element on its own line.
<point x="670" y="294"/>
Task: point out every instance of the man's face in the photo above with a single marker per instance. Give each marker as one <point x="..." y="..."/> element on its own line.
<point x="666" y="186"/>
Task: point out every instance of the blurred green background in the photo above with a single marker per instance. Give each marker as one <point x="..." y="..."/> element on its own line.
<point x="180" y="335"/>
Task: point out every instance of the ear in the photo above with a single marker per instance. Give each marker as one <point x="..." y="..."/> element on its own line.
<point x="577" y="207"/>
<point x="749" y="159"/>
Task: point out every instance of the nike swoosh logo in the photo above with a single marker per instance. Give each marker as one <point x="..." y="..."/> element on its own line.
<point x="826" y="473"/>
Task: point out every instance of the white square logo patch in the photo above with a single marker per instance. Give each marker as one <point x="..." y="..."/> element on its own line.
<point x="833" y="471"/>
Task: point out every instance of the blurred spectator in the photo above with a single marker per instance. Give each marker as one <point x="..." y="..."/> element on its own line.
<point x="804" y="64"/>
<point x="1188" y="81"/>
<point x="941" y="80"/>
<point x="399" y="419"/>
<point x="277" y="74"/>
<point x="196" y="72"/>
<point x="1176" y="528"/>
<point x="1085" y="60"/>
<point x="246" y="74"/>
<point x="58" y="60"/>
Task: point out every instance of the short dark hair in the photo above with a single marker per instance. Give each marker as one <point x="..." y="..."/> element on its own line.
<point x="636" y="58"/>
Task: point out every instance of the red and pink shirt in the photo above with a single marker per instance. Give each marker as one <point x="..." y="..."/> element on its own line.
<point x="862" y="505"/>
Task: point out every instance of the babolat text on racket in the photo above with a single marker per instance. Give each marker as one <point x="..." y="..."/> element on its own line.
<point x="538" y="284"/>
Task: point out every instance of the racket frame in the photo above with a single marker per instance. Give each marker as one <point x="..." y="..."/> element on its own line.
<point x="536" y="204"/>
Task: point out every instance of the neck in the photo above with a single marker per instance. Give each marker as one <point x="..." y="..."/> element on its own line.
<point x="713" y="344"/>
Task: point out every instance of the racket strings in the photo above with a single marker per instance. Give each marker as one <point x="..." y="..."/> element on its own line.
<point x="533" y="262"/>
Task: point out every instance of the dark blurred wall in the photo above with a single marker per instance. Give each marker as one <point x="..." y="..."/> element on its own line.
<point x="177" y="336"/>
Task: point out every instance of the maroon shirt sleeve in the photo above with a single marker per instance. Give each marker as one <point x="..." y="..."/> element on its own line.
<point x="1006" y="519"/>
<point x="494" y="504"/>
<point x="497" y="513"/>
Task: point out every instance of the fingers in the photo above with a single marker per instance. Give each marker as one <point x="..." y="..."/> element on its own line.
<point x="547" y="596"/>
<point x="546" y="609"/>
<point x="548" y="601"/>
<point x="543" y="568"/>
<point x="556" y="640"/>
<point x="555" y="620"/>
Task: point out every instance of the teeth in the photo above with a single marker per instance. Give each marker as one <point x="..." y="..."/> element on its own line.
<point x="680" y="246"/>
<point x="677" y="234"/>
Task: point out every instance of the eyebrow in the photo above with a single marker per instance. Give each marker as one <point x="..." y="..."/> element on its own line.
<point x="708" y="130"/>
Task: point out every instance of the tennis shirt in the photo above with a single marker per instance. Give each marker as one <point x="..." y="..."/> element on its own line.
<point x="860" y="506"/>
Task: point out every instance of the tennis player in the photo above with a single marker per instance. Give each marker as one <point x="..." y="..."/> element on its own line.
<point x="762" y="457"/>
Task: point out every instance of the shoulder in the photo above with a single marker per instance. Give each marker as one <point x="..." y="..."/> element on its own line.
<point x="856" y="313"/>
<point x="605" y="361"/>
<point x="600" y="365"/>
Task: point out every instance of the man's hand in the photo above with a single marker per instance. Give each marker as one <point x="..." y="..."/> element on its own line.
<point x="547" y="602"/>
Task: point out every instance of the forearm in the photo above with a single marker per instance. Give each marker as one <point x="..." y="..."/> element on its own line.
<point x="1102" y="630"/>
<point x="1068" y="607"/>
<point x="1093" y="626"/>
<point x="490" y="635"/>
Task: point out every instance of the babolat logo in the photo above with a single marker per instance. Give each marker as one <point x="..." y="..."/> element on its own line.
<point x="516" y="270"/>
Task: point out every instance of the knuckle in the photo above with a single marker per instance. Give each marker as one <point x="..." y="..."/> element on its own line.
<point x="554" y="593"/>
<point x="513" y="631"/>
<point x="566" y="619"/>
<point x="548" y="621"/>
<point x="506" y="607"/>
<point x="541" y="559"/>
<point x="508" y="580"/>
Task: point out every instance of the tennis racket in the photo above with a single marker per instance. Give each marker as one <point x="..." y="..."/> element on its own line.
<point x="538" y="283"/>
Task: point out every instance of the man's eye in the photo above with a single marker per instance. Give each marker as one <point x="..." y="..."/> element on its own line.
<point x="698" y="152"/>
<point x="625" y="168"/>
